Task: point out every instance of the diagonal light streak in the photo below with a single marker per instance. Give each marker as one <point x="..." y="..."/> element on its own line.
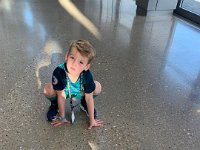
<point x="82" y="19"/>
<point x="93" y="145"/>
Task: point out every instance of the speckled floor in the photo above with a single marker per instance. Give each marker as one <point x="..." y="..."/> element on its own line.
<point x="149" y="68"/>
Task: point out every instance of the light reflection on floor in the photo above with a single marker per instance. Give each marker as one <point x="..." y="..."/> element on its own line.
<point x="182" y="63"/>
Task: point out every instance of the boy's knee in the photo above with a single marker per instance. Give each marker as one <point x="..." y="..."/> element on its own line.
<point x="48" y="90"/>
<point x="98" y="88"/>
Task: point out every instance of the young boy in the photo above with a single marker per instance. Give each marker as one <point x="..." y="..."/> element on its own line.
<point x="73" y="79"/>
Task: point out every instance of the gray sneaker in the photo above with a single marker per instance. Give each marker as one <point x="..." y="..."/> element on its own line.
<point x="52" y="111"/>
<point x="83" y="107"/>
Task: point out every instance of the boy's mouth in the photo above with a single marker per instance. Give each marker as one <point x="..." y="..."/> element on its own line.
<point x="73" y="69"/>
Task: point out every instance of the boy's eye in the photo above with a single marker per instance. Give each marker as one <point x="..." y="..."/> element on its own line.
<point x="71" y="57"/>
<point x="81" y="62"/>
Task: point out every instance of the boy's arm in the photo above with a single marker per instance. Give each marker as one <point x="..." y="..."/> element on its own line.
<point x="61" y="102"/>
<point x="61" y="106"/>
<point x="90" y="105"/>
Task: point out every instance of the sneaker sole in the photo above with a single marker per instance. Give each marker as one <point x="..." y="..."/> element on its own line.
<point x="83" y="109"/>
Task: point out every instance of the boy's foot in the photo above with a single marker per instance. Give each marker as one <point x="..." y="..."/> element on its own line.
<point x="83" y="107"/>
<point x="53" y="111"/>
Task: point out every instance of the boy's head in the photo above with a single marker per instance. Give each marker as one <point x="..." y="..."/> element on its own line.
<point x="79" y="57"/>
<point x="84" y="48"/>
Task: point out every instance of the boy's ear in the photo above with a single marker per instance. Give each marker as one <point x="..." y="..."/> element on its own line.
<point x="87" y="67"/>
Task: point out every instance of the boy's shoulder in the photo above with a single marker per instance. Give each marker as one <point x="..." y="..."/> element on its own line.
<point x="87" y="72"/>
<point x="61" y="66"/>
<point x="87" y="75"/>
<point x="60" y="70"/>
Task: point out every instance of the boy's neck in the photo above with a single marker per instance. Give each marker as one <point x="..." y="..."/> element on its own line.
<point x="73" y="78"/>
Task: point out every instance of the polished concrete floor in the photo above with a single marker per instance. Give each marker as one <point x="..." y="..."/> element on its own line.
<point x="149" y="68"/>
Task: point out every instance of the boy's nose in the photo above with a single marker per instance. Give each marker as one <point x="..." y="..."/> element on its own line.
<point x="74" y="63"/>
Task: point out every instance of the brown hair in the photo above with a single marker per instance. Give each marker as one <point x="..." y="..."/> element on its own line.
<point x="84" y="48"/>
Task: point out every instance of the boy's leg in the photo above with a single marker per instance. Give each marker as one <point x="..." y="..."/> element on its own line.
<point x="51" y="96"/>
<point x="97" y="89"/>
<point x="49" y="91"/>
<point x="83" y="105"/>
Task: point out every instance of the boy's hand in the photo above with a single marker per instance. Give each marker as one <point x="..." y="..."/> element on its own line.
<point x="95" y="123"/>
<point x="57" y="121"/>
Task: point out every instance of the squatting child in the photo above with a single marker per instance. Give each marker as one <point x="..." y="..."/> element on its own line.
<point x="73" y="79"/>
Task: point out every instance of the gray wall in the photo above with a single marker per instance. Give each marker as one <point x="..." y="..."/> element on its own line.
<point x="157" y="4"/>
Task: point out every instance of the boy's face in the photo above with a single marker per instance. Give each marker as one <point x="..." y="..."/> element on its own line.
<point x="76" y="63"/>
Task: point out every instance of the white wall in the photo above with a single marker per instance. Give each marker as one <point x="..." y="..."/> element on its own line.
<point x="152" y="5"/>
<point x="166" y="4"/>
